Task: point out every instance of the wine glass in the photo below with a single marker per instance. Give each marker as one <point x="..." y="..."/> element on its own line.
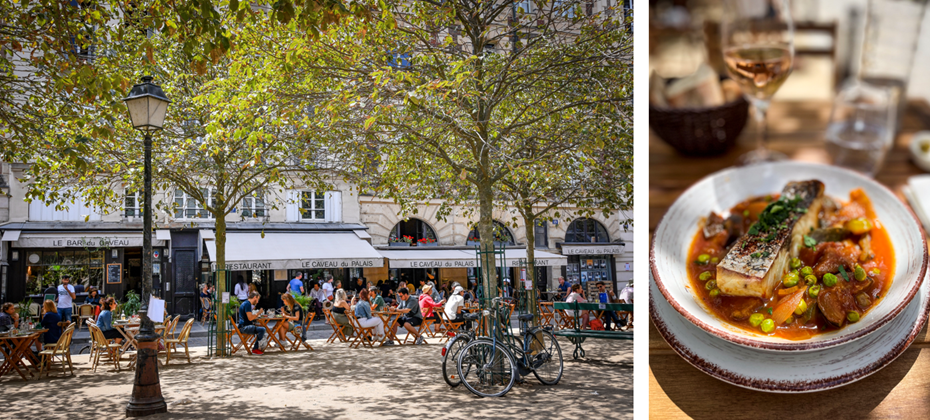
<point x="757" y="40"/>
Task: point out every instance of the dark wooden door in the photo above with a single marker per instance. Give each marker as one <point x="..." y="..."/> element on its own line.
<point x="185" y="282"/>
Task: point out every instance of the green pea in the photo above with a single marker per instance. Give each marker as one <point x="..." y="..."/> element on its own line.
<point x="794" y="264"/>
<point x="807" y="271"/>
<point x="801" y="308"/>
<point x="711" y="285"/>
<point x="714" y="293"/>
<point x="707" y="275"/>
<point x="814" y="291"/>
<point x="790" y="279"/>
<point x="714" y="260"/>
<point x="745" y="213"/>
<point x="852" y="316"/>
<point x="789" y="320"/>
<point x="810" y="280"/>
<point x="829" y="280"/>
<point x="768" y="326"/>
<point x="703" y="259"/>
<point x="756" y="319"/>
<point x="859" y="273"/>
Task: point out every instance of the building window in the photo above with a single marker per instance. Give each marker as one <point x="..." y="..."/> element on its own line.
<point x="253" y="205"/>
<point x="501" y="234"/>
<point x="132" y="206"/>
<point x="419" y="233"/>
<point x="312" y="205"/>
<point x="525" y="6"/>
<point x="586" y="230"/>
<point x="188" y="207"/>
<point x="565" y="8"/>
<point x="541" y="232"/>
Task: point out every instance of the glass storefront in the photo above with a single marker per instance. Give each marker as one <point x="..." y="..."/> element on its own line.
<point x="45" y="268"/>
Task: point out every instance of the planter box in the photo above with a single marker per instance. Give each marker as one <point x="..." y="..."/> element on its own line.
<point x="399" y="244"/>
<point x="429" y="244"/>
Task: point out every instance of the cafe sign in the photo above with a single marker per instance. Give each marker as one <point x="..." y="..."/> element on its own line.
<point x="303" y="264"/>
<point x="593" y="249"/>
<point x="58" y="241"/>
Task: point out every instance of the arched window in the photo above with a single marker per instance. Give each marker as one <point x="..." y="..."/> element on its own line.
<point x="586" y="230"/>
<point x="416" y="230"/>
<point x="501" y="234"/>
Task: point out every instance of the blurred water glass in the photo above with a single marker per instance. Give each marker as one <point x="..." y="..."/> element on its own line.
<point x="862" y="127"/>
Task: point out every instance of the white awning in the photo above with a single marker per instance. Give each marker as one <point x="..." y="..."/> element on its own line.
<point x="461" y="258"/>
<point x="81" y="240"/>
<point x="304" y="250"/>
<point x="430" y="258"/>
<point x="592" y="249"/>
<point x="11" y="235"/>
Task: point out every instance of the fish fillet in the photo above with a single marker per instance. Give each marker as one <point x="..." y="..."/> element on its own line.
<point x="757" y="261"/>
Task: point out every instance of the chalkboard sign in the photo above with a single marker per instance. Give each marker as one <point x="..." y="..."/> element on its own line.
<point x="114" y="273"/>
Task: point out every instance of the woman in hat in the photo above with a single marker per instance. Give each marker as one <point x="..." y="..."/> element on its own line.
<point x="427" y="303"/>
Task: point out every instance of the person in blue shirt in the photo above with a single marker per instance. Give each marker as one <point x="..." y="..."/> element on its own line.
<point x="563" y="289"/>
<point x="105" y="321"/>
<point x="296" y="286"/>
<point x="246" y="316"/>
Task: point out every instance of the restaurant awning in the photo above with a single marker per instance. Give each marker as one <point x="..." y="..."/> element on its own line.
<point x="428" y="257"/>
<point x="593" y="249"/>
<point x="303" y="250"/>
<point x="78" y="240"/>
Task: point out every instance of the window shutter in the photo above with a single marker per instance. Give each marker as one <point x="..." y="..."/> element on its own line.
<point x="333" y="204"/>
<point x="291" y="207"/>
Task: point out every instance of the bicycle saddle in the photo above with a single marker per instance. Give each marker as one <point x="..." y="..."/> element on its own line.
<point x="525" y="317"/>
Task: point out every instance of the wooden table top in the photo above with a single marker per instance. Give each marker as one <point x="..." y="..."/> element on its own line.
<point x="678" y="390"/>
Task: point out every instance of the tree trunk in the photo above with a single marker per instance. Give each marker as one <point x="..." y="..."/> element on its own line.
<point x="529" y="221"/>
<point x="486" y="231"/>
<point x="220" y="284"/>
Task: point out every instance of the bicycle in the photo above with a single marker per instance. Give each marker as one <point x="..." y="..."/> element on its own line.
<point x="488" y="367"/>
<point x="452" y="349"/>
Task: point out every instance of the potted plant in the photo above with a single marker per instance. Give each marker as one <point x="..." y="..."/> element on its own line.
<point x="403" y="241"/>
<point x="427" y="242"/>
<point x="23" y="311"/>
<point x="131" y="305"/>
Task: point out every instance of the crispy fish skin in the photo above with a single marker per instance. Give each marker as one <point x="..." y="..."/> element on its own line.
<point x="742" y="274"/>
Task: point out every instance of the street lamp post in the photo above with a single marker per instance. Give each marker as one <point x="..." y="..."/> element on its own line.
<point x="148" y="106"/>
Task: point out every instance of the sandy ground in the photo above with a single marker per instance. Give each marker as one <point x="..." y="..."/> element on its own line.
<point x="332" y="382"/>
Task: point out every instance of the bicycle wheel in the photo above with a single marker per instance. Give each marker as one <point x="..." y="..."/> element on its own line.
<point x="452" y="349"/>
<point x="543" y="356"/>
<point x="486" y="368"/>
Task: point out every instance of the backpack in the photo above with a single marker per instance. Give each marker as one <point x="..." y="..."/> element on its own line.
<point x="596" y="324"/>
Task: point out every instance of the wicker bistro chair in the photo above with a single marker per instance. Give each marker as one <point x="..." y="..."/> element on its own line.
<point x="101" y="347"/>
<point x="62" y="350"/>
<point x="171" y="344"/>
<point x="84" y="312"/>
<point x="207" y="308"/>
<point x="338" y="329"/>
<point x="293" y="337"/>
<point x="363" y="335"/>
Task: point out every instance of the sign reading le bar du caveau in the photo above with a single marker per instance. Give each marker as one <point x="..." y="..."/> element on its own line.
<point x="81" y="241"/>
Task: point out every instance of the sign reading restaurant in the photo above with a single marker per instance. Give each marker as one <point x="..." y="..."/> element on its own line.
<point x="593" y="249"/>
<point x="300" y="264"/>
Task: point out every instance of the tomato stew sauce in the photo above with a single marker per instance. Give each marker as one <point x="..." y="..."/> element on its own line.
<point x="858" y="239"/>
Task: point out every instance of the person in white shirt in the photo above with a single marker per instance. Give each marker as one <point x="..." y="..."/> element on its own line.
<point x="242" y="290"/>
<point x="577" y="295"/>
<point x="319" y="296"/>
<point x="454" y="306"/>
<point x="65" y="297"/>
<point x="626" y="296"/>
<point x="328" y="288"/>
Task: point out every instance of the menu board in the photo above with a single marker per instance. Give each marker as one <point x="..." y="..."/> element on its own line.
<point x="114" y="273"/>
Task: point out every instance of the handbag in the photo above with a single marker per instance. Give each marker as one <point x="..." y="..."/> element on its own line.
<point x="596" y="324"/>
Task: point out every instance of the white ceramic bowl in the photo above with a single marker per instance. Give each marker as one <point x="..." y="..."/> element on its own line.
<point x="722" y="190"/>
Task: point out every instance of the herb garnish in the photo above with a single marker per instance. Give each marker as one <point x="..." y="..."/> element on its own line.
<point x="770" y="311"/>
<point x="843" y="272"/>
<point x="809" y="242"/>
<point x="775" y="217"/>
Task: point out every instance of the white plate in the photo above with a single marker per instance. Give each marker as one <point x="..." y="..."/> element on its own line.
<point x="720" y="191"/>
<point x="810" y="371"/>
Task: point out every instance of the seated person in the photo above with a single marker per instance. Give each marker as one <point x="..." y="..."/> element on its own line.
<point x="105" y="321"/>
<point x="246" y="316"/>
<point x="93" y="296"/>
<point x="50" y="322"/>
<point x="577" y="295"/>
<point x="9" y="319"/>
<point x="339" y="312"/>
<point x="606" y="296"/>
<point x="318" y="295"/>
<point x="293" y="316"/>
<point x="411" y="318"/>
<point x="364" y="317"/>
<point x="427" y="303"/>
<point x="454" y="307"/>
<point x="377" y="302"/>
